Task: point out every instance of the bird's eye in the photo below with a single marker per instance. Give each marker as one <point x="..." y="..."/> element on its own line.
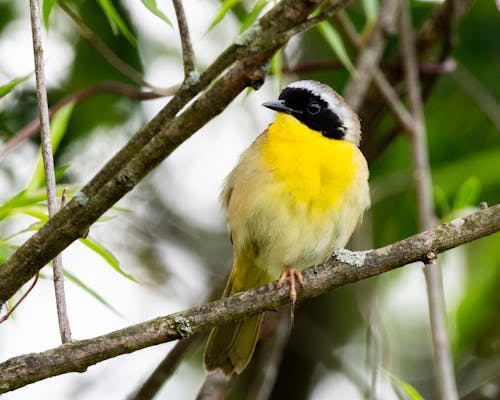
<point x="313" y="107"/>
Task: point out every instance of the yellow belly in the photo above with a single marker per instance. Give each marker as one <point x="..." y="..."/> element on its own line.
<point x="295" y="197"/>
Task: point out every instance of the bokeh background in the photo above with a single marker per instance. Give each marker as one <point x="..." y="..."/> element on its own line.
<point x="169" y="233"/>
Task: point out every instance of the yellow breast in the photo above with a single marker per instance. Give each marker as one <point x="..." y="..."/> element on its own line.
<point x="315" y="170"/>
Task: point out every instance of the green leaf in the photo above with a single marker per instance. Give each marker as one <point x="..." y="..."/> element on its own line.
<point x="5" y="252"/>
<point x="47" y="6"/>
<point x="20" y="200"/>
<point x="441" y="201"/>
<point x="225" y="7"/>
<point x="370" y="7"/>
<point x="9" y="87"/>
<point x="39" y="212"/>
<point x="451" y="175"/>
<point x="467" y="194"/>
<point x="57" y="130"/>
<point x="153" y="7"/>
<point x="336" y="44"/>
<point x="107" y="256"/>
<point x="90" y="291"/>
<point x="36" y="199"/>
<point x="115" y="20"/>
<point x="253" y="14"/>
<point x="276" y="67"/>
<point x="404" y="387"/>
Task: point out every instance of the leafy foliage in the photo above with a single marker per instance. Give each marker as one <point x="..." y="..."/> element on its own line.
<point x="464" y="148"/>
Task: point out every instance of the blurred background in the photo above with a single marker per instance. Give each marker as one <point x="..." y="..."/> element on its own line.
<point x="164" y="247"/>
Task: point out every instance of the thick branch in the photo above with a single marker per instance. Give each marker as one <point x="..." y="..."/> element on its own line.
<point x="246" y="59"/>
<point x="78" y="355"/>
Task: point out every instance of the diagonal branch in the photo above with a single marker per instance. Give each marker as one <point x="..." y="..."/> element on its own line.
<point x="152" y="385"/>
<point x="370" y="55"/>
<point x="77" y="356"/>
<point x="242" y="64"/>
<point x="443" y="361"/>
<point x="122" y="89"/>
<point x="102" y="48"/>
<point x="187" y="48"/>
<point x="385" y="89"/>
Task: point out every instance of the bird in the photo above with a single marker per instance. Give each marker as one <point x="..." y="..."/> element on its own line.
<point x="295" y="196"/>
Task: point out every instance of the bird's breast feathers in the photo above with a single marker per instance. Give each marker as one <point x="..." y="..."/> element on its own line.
<point x="295" y="196"/>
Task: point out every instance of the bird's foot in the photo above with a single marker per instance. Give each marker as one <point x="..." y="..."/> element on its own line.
<point x="293" y="274"/>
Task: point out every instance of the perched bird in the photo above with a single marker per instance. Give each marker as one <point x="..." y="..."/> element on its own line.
<point x="295" y="196"/>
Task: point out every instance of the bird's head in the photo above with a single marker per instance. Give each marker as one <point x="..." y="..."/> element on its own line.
<point x="320" y="108"/>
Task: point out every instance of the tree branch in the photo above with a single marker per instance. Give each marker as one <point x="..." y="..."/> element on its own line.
<point x="381" y="83"/>
<point x="77" y="356"/>
<point x="244" y="64"/>
<point x="102" y="48"/>
<point x="187" y="48"/>
<point x="443" y="361"/>
<point x="48" y="165"/>
<point x="370" y="54"/>
<point x="81" y="95"/>
<point x="152" y="385"/>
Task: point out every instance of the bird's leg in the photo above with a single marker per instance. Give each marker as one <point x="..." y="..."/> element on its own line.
<point x="293" y="274"/>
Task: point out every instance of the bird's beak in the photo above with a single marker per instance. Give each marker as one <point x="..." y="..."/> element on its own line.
<point x="280" y="106"/>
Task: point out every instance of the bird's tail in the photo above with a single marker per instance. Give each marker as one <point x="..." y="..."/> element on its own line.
<point x="230" y="347"/>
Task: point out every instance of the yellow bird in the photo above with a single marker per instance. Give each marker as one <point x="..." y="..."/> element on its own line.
<point x="295" y="196"/>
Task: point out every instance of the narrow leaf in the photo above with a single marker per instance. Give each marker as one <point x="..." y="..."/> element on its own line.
<point x="116" y="22"/>
<point x="404" y="387"/>
<point x="47" y="7"/>
<point x="5" y="252"/>
<point x="336" y="44"/>
<point x="90" y="291"/>
<point x="276" y="68"/>
<point x="441" y="201"/>
<point x="225" y="7"/>
<point x="57" y="130"/>
<point x="153" y="7"/>
<point x="370" y="8"/>
<point x="107" y="256"/>
<point x="253" y="14"/>
<point x="10" y="86"/>
<point x="468" y="193"/>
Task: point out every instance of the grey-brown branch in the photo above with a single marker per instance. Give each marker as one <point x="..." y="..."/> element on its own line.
<point x="243" y="64"/>
<point x="344" y="268"/>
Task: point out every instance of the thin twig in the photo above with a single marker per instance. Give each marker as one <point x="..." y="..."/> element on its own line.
<point x="447" y="386"/>
<point x="48" y="163"/>
<point x="103" y="49"/>
<point x="481" y="96"/>
<point x="370" y="55"/>
<point x="9" y="313"/>
<point x="164" y="370"/>
<point x="381" y="83"/>
<point x="329" y="10"/>
<point x="214" y="387"/>
<point x="270" y="364"/>
<point x="187" y="48"/>
<point x="80" y="354"/>
<point x="445" y="67"/>
<point x="32" y="128"/>
<point x="63" y="196"/>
